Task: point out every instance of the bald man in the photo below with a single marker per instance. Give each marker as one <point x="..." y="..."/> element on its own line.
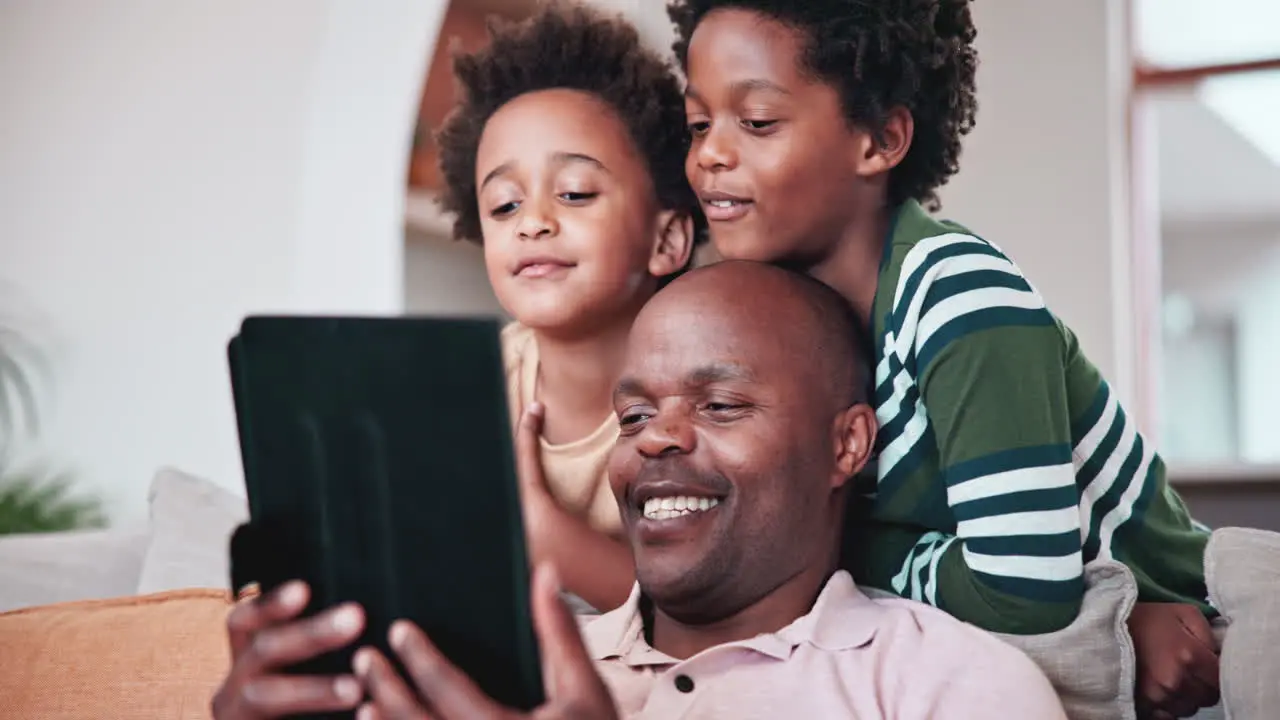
<point x="743" y="414"/>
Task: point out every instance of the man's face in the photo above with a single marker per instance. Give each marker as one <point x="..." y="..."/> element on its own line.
<point x="725" y="470"/>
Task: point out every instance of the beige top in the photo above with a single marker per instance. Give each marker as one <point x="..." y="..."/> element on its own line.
<point x="575" y="471"/>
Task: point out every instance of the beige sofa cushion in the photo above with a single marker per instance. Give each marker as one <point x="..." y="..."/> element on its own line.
<point x="1242" y="569"/>
<point x="134" y="658"/>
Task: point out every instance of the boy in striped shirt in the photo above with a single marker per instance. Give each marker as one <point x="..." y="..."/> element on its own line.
<point x="1005" y="464"/>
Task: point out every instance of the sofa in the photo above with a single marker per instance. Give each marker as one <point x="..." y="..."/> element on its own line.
<point x="128" y="623"/>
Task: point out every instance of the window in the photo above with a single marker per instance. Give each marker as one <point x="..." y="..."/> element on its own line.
<point x="1207" y="157"/>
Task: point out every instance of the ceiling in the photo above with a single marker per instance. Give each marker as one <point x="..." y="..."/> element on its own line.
<point x="1220" y="207"/>
<point x="1209" y="170"/>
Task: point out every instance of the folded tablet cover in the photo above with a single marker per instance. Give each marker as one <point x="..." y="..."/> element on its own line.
<point x="379" y="468"/>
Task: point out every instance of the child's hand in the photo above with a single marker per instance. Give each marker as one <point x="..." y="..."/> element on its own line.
<point x="1177" y="664"/>
<point x="539" y="507"/>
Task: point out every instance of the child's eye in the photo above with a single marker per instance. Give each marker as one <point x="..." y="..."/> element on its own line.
<point x="504" y="209"/>
<point x="577" y="197"/>
<point x="758" y="124"/>
<point x="698" y="129"/>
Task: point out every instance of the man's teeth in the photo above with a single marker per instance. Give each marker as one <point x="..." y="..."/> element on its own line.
<point x="671" y="507"/>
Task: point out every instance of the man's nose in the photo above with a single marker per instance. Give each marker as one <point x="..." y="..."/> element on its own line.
<point x="716" y="150"/>
<point x="670" y="434"/>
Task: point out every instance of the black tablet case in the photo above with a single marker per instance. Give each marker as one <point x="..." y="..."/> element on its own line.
<point x="379" y="467"/>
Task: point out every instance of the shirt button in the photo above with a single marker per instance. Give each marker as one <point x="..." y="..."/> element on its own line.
<point x="684" y="683"/>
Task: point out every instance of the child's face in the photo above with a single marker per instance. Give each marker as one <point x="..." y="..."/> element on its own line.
<point x="568" y="212"/>
<point x="773" y="158"/>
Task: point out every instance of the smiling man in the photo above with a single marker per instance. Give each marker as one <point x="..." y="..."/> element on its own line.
<point x="743" y="414"/>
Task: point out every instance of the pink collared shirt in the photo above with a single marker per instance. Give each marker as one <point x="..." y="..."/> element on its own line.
<point x="850" y="657"/>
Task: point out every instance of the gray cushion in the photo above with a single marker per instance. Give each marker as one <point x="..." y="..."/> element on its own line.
<point x="1090" y="662"/>
<point x="1242" y="569"/>
<point x="191" y="524"/>
<point x="50" y="568"/>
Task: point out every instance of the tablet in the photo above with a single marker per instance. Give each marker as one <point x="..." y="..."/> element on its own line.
<point x="379" y="468"/>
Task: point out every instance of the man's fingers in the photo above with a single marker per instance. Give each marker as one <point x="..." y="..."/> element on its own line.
<point x="277" y="647"/>
<point x="272" y="696"/>
<point x="369" y="711"/>
<point x="250" y="616"/>
<point x="451" y="693"/>
<point x="392" y="698"/>
<point x="528" y="448"/>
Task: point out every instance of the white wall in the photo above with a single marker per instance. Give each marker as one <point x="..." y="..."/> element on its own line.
<point x="444" y="277"/>
<point x="167" y="168"/>
<point x="1042" y="173"/>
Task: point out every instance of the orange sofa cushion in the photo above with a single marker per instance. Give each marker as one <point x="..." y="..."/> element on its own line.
<point x="145" y="657"/>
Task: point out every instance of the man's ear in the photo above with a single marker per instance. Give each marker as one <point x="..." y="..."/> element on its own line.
<point x="855" y="437"/>
<point x="673" y="244"/>
<point x="878" y="155"/>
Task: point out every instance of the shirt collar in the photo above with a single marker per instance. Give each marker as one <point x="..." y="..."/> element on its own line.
<point x="842" y="618"/>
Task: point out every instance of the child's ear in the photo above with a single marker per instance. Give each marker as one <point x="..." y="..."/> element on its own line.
<point x="855" y="437"/>
<point x="876" y="156"/>
<point x="673" y="244"/>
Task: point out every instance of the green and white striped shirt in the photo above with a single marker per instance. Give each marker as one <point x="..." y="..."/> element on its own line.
<point x="1005" y="462"/>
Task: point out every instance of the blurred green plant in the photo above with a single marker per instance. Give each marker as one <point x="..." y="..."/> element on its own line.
<point x="39" y="500"/>
<point x="34" y="497"/>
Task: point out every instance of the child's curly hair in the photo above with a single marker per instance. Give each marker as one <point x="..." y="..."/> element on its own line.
<point x="881" y="54"/>
<point x="572" y="47"/>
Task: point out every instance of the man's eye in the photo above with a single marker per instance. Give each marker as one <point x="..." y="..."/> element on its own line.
<point x="632" y="418"/>
<point x="724" y="408"/>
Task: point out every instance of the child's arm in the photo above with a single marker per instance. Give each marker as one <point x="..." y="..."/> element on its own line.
<point x="991" y="371"/>
<point x="593" y="566"/>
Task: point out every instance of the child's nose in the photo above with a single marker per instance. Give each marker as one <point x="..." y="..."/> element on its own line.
<point x="536" y="223"/>
<point x="716" y="151"/>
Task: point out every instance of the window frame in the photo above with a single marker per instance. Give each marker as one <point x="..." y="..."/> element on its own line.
<point x="1145" y="80"/>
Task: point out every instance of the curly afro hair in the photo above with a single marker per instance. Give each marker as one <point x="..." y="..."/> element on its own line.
<point x="881" y="54"/>
<point x="566" y="46"/>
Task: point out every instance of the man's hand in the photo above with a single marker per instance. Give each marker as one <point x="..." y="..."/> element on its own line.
<point x="265" y="638"/>
<point x="574" y="691"/>
<point x="1177" y="663"/>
